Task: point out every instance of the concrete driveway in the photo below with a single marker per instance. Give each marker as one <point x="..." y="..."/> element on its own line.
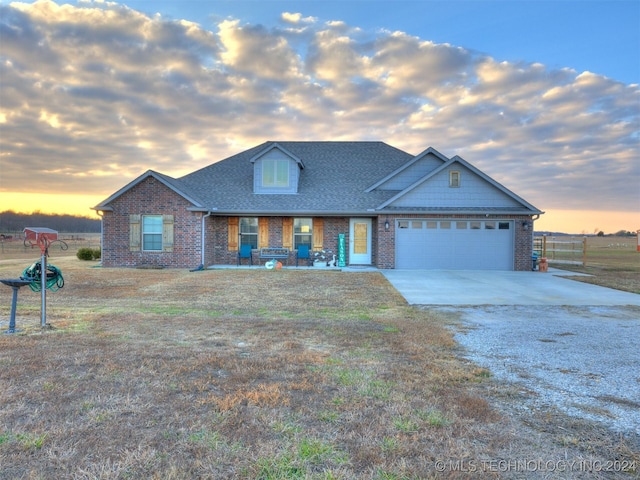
<point x="563" y="344"/>
<point x="474" y="287"/>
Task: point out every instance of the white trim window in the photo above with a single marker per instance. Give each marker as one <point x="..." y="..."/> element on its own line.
<point x="249" y="231"/>
<point x="454" y="179"/>
<point x="152" y="233"/>
<point x="275" y="173"/>
<point x="302" y="232"/>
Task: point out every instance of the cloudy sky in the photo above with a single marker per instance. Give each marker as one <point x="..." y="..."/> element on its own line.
<point x="543" y="96"/>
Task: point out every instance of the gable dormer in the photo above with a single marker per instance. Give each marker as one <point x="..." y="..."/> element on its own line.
<point x="276" y="170"/>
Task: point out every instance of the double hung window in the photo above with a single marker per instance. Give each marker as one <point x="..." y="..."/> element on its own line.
<point x="249" y="231"/>
<point x="152" y="233"/>
<point x="302" y="232"/>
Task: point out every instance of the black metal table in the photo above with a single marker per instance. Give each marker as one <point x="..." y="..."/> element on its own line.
<point x="15" y="284"/>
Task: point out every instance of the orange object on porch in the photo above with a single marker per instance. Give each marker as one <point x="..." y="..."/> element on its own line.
<point x="543" y="266"/>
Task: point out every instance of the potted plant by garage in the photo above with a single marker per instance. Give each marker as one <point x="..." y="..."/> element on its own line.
<point x="324" y="259"/>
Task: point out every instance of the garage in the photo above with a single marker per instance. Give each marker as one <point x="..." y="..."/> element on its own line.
<point x="458" y="244"/>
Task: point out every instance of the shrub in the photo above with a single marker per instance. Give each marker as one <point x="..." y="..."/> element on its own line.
<point x="85" y="254"/>
<point x="97" y="253"/>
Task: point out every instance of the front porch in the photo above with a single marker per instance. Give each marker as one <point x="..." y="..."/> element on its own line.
<point x="348" y="268"/>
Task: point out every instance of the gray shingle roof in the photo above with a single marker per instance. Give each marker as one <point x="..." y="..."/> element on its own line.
<point x="335" y="178"/>
<point x="339" y="178"/>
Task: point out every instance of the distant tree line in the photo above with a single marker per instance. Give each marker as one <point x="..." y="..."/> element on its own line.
<point x="619" y="233"/>
<point x="14" y="223"/>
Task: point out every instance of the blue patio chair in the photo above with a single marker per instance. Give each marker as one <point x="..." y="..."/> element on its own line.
<point x="245" y="252"/>
<point x="303" y="252"/>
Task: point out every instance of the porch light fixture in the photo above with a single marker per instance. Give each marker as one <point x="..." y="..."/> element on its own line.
<point x="526" y="225"/>
<point x="386" y="224"/>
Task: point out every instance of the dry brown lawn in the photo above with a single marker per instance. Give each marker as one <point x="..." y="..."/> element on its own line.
<point x="612" y="262"/>
<point x="294" y="374"/>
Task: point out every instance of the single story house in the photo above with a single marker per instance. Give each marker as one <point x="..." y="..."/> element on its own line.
<point x="393" y="209"/>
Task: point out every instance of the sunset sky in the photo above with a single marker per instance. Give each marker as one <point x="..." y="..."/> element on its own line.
<point x="543" y="96"/>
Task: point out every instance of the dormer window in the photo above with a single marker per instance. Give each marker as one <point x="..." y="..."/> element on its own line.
<point x="275" y="173"/>
<point x="454" y="179"/>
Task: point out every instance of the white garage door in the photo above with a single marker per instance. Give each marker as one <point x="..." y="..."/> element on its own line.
<point x="454" y="244"/>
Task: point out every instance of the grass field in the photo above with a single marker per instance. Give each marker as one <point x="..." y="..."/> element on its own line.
<point x="612" y="262"/>
<point x="294" y="374"/>
<point x="15" y="248"/>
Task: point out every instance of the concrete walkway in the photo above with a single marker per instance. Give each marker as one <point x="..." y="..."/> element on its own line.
<point x="474" y="287"/>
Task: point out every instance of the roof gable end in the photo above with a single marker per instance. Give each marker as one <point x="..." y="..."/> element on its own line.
<point x="416" y="168"/>
<point x="496" y="184"/>
<point x="277" y="146"/>
<point x="477" y="189"/>
<point x="166" y="180"/>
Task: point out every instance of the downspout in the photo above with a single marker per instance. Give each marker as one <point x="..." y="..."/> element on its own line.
<point x="209" y="213"/>
<point x="533" y="220"/>
<point x="100" y="213"/>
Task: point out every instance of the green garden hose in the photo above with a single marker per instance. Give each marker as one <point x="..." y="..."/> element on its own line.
<point x="54" y="280"/>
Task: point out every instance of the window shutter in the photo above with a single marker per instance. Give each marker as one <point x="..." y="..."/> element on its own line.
<point x="287" y="232"/>
<point x="167" y="233"/>
<point x="263" y="232"/>
<point x="318" y="233"/>
<point x="232" y="237"/>
<point x="135" y="234"/>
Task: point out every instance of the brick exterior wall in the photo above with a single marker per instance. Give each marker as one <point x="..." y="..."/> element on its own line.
<point x="151" y="197"/>
<point x="523" y="244"/>
<point x="386" y="241"/>
<point x="334" y="226"/>
<point x="217" y="251"/>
